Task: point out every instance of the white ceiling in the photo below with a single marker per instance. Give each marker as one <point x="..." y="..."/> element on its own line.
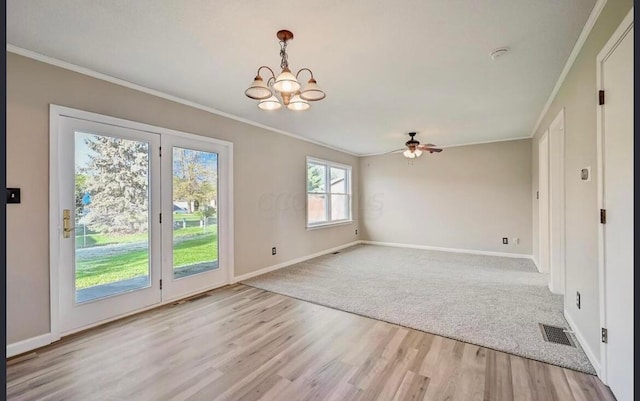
<point x="388" y="67"/>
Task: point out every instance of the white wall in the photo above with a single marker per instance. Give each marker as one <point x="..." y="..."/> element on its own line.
<point x="578" y="95"/>
<point x="269" y="180"/>
<point x="466" y="197"/>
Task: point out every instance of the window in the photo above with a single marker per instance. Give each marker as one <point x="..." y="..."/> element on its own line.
<point x="328" y="193"/>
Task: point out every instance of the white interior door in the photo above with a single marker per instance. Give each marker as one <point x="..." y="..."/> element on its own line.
<point x="617" y="158"/>
<point x="195" y="216"/>
<point x="107" y="222"/>
<point x="543" y="204"/>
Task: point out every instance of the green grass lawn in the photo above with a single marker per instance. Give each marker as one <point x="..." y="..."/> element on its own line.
<point x="197" y="248"/>
<point x="96" y="239"/>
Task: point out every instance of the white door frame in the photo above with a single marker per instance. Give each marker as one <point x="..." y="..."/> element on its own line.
<point x="618" y="35"/>
<point x="543" y="235"/>
<point x="55" y="112"/>
<point x="556" y="204"/>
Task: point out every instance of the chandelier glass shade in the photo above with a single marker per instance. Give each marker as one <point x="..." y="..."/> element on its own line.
<point x="270" y="103"/>
<point x="297" y="103"/>
<point x="258" y="89"/>
<point x="285" y="89"/>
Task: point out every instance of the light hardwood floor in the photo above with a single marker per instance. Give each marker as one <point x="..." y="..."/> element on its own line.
<point x="243" y="343"/>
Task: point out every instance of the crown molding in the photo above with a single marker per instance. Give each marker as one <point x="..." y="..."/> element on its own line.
<point x="586" y="30"/>
<point x="104" y="77"/>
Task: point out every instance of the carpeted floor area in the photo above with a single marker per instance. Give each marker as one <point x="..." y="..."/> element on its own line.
<point x="491" y="301"/>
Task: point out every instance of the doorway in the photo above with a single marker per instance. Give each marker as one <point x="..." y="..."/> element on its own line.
<point x="556" y="197"/>
<point x="543" y="203"/>
<point x="139" y="216"/>
<point x="615" y="200"/>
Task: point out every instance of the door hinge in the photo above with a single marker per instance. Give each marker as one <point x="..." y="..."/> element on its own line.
<point x="160" y="151"/>
<point x="600" y="98"/>
<point x="160" y="218"/>
<point x="160" y="283"/>
<point x="603" y="216"/>
<point x="537" y="194"/>
<point x="605" y="335"/>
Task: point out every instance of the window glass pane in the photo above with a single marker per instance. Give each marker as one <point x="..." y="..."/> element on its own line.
<point x="338" y="180"/>
<point x="316" y="177"/>
<point x="195" y="206"/>
<point x="316" y="208"/>
<point x="111" y="216"/>
<point x="339" y="207"/>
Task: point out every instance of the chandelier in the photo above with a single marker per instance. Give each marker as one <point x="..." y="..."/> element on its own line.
<point x="285" y="86"/>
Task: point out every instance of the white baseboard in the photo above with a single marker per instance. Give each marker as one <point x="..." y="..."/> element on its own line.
<point x="292" y="262"/>
<point x="28" y="345"/>
<point x="535" y="262"/>
<point x="583" y="343"/>
<point x="456" y="250"/>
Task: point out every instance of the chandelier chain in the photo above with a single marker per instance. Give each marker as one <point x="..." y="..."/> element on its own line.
<point x="284" y="63"/>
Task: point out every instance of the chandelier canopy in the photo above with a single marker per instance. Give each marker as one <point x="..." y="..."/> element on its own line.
<point x="285" y="88"/>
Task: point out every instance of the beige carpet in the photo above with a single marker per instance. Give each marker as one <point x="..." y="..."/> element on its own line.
<point x="491" y="301"/>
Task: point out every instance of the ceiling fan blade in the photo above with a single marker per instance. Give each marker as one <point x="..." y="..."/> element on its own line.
<point x="395" y="151"/>
<point x="431" y="150"/>
<point x="427" y="146"/>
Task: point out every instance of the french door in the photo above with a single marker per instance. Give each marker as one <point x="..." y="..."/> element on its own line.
<point x="139" y="218"/>
<point x="192" y="176"/>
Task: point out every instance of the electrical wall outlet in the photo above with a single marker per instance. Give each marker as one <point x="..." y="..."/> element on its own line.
<point x="273" y="250"/>
<point x="505" y="240"/>
<point x="578" y="299"/>
<point x="356" y="231"/>
<point x="13" y="195"/>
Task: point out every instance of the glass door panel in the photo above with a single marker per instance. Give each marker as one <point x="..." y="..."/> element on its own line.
<point x="111" y="216"/>
<point x="195" y="246"/>
<point x="107" y="228"/>
<point x="195" y="206"/>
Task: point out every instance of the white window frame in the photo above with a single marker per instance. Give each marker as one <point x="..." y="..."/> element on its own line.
<point x="328" y="164"/>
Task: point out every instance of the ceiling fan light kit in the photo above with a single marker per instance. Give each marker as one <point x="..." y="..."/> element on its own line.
<point x="285" y="88"/>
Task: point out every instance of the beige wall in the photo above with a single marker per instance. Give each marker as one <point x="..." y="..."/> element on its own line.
<point x="466" y="197"/>
<point x="578" y="95"/>
<point x="269" y="180"/>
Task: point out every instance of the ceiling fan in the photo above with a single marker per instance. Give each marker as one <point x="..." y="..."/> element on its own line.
<point x="414" y="149"/>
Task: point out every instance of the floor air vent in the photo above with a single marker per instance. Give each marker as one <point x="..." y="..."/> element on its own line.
<point x="555" y="335"/>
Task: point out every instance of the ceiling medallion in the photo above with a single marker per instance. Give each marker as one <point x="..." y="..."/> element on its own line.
<point x="285" y="86"/>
